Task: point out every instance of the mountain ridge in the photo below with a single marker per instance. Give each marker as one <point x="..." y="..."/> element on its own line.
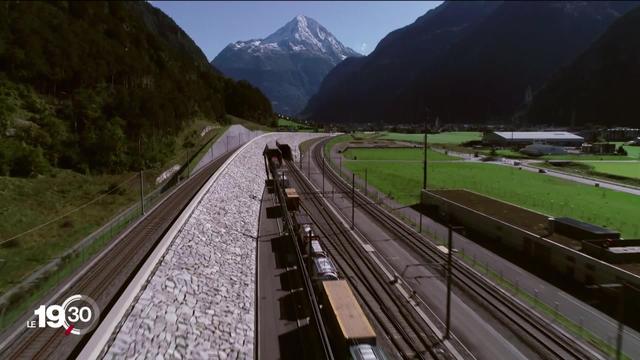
<point x="488" y="55"/>
<point x="288" y="64"/>
<point x="599" y="87"/>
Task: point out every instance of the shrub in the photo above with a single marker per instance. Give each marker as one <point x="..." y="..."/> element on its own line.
<point x="29" y="162"/>
<point x="622" y="151"/>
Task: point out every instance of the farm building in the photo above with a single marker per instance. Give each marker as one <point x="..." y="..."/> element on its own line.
<point x="542" y="149"/>
<point x="523" y="138"/>
<point x="621" y="134"/>
<point x="598" y="148"/>
<point x="565" y="249"/>
<point x="584" y="252"/>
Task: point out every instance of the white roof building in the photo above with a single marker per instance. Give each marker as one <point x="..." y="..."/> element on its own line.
<point x="548" y="137"/>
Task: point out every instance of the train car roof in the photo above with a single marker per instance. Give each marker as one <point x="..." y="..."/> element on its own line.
<point x="315" y="246"/>
<point x="323" y="264"/>
<point x="353" y="324"/>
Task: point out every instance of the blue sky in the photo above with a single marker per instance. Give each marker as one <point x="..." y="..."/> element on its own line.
<point x="357" y="24"/>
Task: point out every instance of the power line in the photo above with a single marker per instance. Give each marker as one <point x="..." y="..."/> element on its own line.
<point x="69" y="212"/>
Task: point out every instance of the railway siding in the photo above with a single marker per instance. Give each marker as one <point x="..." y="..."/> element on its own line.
<point x="199" y="301"/>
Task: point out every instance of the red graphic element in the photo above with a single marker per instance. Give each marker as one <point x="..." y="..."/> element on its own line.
<point x="68" y="331"/>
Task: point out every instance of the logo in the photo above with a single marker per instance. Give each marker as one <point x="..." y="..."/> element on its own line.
<point x="77" y="315"/>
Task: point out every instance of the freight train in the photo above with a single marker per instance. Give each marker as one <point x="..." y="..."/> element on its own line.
<point x="352" y="336"/>
<point x="350" y="331"/>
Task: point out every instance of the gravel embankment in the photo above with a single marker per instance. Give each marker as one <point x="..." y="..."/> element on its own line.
<point x="200" y="300"/>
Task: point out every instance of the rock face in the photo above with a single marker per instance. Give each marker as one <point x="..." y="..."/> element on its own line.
<point x="199" y="302"/>
<point x="467" y="62"/>
<point x="288" y="65"/>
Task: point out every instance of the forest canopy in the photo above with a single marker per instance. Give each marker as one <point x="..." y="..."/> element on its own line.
<point x="83" y="84"/>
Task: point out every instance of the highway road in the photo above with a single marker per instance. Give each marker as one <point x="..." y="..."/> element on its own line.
<point x="579" y="179"/>
<point x="528" y="165"/>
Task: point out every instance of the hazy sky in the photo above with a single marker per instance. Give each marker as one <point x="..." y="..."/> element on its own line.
<point x="357" y="24"/>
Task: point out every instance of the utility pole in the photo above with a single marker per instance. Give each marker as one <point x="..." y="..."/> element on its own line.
<point x="353" y="199"/>
<point x="141" y="178"/>
<point x="424" y="160"/>
<point x="188" y="167"/>
<point x="141" y="192"/>
<point x="448" y="319"/>
<point x="424" y="168"/>
<point x="340" y="165"/>
<point x="366" y="192"/>
<point x="309" y="164"/>
<point x="621" y="296"/>
<point x="227" y="140"/>
<point x="322" y="175"/>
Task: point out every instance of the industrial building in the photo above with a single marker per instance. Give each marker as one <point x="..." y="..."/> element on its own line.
<point x="523" y="138"/>
<point x="584" y="252"/>
<point x="598" y="148"/>
<point x="621" y="134"/>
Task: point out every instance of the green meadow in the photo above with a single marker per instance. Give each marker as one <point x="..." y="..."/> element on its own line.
<point x="538" y="192"/>
<point x="630" y="169"/>
<point x="454" y="137"/>
<point x="292" y="124"/>
<point x="404" y="154"/>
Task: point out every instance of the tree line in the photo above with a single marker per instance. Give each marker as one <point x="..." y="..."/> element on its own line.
<point x="83" y="84"/>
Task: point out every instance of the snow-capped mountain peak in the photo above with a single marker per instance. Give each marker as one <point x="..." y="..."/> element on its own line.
<point x="287" y="65"/>
<point x="301" y="34"/>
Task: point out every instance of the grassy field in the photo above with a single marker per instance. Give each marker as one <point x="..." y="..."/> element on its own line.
<point x="334" y="141"/>
<point x="292" y="124"/>
<point x="585" y="157"/>
<point x="534" y="191"/>
<point x="248" y="124"/>
<point x="632" y="151"/>
<point x="405" y="154"/>
<point x="29" y="202"/>
<point x="441" y="138"/>
<point x="630" y="169"/>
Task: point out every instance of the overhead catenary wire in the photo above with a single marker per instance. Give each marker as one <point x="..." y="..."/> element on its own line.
<point x="68" y="212"/>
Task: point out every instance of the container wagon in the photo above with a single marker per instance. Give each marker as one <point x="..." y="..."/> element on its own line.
<point x="292" y="198"/>
<point x="348" y="327"/>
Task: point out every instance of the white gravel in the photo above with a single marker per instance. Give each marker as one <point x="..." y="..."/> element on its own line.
<point x="200" y="300"/>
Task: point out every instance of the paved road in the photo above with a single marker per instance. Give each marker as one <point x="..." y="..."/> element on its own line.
<point x="577" y="311"/>
<point x="235" y="135"/>
<point x="526" y="165"/>
<point x="584" y="180"/>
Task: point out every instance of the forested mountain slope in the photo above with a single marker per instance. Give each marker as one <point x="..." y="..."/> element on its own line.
<point x="82" y="84"/>
<point x="601" y="86"/>
<point x="468" y="62"/>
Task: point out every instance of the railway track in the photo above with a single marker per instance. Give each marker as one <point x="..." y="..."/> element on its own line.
<point x="112" y="270"/>
<point x="391" y="312"/>
<point x="548" y="340"/>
